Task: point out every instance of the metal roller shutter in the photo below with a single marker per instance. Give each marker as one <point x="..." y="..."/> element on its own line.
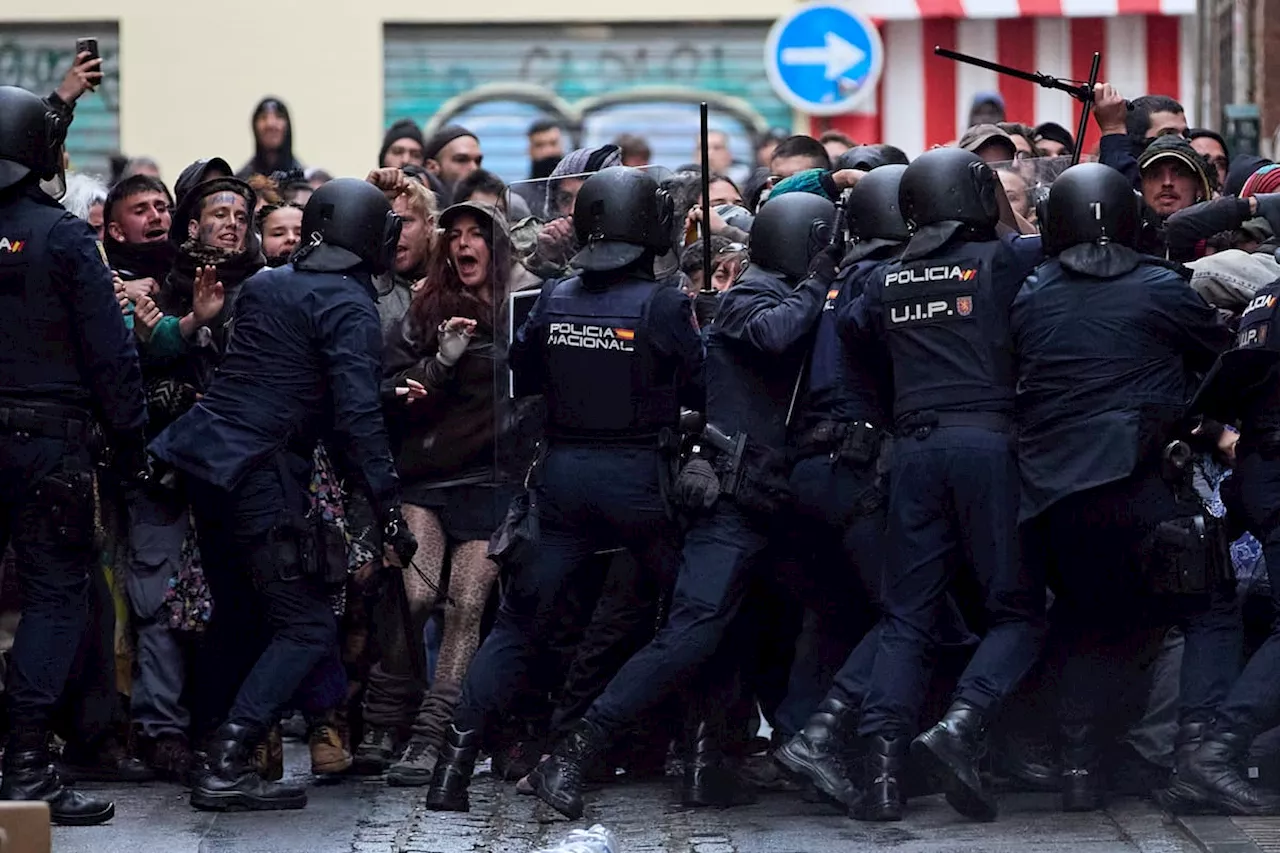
<point x="514" y="74"/>
<point x="37" y="57"/>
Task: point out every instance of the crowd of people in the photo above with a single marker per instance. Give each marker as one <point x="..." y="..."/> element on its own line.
<point x="911" y="470"/>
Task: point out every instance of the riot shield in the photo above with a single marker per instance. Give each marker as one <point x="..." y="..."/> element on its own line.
<point x="1026" y="182"/>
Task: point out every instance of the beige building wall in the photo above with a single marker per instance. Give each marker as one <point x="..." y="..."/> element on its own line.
<point x="191" y="73"/>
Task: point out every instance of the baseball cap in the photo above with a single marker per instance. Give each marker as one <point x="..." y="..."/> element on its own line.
<point x="982" y="135"/>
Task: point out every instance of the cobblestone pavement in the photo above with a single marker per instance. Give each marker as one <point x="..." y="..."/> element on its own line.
<point x="365" y="816"/>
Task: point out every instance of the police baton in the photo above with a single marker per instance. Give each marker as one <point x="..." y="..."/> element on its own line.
<point x="1081" y="90"/>
<point x="706" y="201"/>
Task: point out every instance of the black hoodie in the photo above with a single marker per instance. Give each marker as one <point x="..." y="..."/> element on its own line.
<point x="266" y="161"/>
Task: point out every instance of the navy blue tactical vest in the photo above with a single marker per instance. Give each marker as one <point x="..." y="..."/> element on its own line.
<point x="38" y="357"/>
<point x="946" y="319"/>
<point x="603" y="375"/>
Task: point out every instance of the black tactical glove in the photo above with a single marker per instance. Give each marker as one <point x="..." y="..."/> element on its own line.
<point x="396" y="536"/>
<point x="697" y="487"/>
<point x="823" y="265"/>
<point x="1269" y="208"/>
<point x="704" y="307"/>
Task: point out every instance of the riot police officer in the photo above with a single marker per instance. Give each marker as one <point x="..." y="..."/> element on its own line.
<point x="615" y="352"/>
<point x="1108" y="343"/>
<point x="840" y="424"/>
<point x="754" y="350"/>
<point x="303" y="363"/>
<point x="942" y="311"/>
<point x="66" y="362"/>
<point x="1243" y="388"/>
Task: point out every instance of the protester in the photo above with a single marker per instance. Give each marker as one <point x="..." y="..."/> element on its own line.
<point x="402" y="145"/>
<point x="272" y="140"/>
<point x="452" y="153"/>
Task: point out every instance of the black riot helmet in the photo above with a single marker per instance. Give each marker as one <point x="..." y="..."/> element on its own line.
<point x="945" y="192"/>
<point x="31" y="137"/>
<point x="348" y="223"/>
<point x="789" y="231"/>
<point x="872" y="210"/>
<point x="620" y="214"/>
<point x="863" y="157"/>
<point x="950" y="185"/>
<point x="1090" y="203"/>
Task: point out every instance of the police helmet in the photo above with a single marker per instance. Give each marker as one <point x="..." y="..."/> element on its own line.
<point x="348" y="223"/>
<point x="1090" y="203"/>
<point x="31" y="137"/>
<point x="789" y="231"/>
<point x="863" y="157"/>
<point x="945" y="192"/>
<point x="620" y="214"/>
<point x="872" y="210"/>
<point x="949" y="185"/>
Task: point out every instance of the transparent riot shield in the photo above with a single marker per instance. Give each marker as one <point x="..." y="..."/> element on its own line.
<point x="1026" y="182"/>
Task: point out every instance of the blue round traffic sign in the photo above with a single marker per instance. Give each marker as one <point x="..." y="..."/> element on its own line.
<point x="823" y="59"/>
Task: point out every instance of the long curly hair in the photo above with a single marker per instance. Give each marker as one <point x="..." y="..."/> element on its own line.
<point x="444" y="295"/>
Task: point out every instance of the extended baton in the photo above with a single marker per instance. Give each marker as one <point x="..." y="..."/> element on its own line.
<point x="706" y="201"/>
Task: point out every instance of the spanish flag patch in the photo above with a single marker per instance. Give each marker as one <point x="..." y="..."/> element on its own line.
<point x="625" y="334"/>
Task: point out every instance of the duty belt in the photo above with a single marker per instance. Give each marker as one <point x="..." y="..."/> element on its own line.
<point x="921" y="424"/>
<point x="51" y="421"/>
<point x="856" y="442"/>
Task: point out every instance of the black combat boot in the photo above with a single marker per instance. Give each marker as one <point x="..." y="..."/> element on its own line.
<point x="107" y="760"/>
<point x="1209" y="780"/>
<point x="949" y="752"/>
<point x="230" y="781"/>
<point x="1187" y="741"/>
<point x="1081" y="780"/>
<point x="882" y="797"/>
<point x="710" y="777"/>
<point x="29" y="775"/>
<point x="557" y="781"/>
<point x="452" y="774"/>
<point x="818" y="750"/>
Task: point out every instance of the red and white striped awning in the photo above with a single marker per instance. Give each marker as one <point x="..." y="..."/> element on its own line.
<point x="898" y="10"/>
<point x="924" y="100"/>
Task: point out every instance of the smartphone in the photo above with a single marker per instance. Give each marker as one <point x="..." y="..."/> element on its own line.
<point x="89" y="46"/>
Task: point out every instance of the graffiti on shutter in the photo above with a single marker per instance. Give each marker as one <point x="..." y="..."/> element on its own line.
<point x="598" y="80"/>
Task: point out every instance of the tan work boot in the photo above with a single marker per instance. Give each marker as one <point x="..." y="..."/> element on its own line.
<point x="330" y="753"/>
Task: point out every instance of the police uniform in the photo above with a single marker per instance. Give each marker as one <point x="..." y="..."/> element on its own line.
<point x="67" y="361"/>
<point x="754" y="350"/>
<point x="615" y="353"/>
<point x="616" y="361"/>
<point x="1244" y="388"/>
<point x="303" y="363"/>
<point x="1108" y="342"/>
<point x="840" y="496"/>
<point x="942" y="312"/>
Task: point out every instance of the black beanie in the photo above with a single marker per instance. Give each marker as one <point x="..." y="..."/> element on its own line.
<point x="443" y="137"/>
<point x="403" y="129"/>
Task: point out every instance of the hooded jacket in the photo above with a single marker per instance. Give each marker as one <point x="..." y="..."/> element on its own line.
<point x="264" y="160"/>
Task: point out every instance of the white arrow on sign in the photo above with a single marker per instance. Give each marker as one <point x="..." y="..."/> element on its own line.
<point x="837" y="55"/>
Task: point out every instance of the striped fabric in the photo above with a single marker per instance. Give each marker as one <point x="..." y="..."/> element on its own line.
<point x="923" y="100"/>
<point x="897" y="10"/>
